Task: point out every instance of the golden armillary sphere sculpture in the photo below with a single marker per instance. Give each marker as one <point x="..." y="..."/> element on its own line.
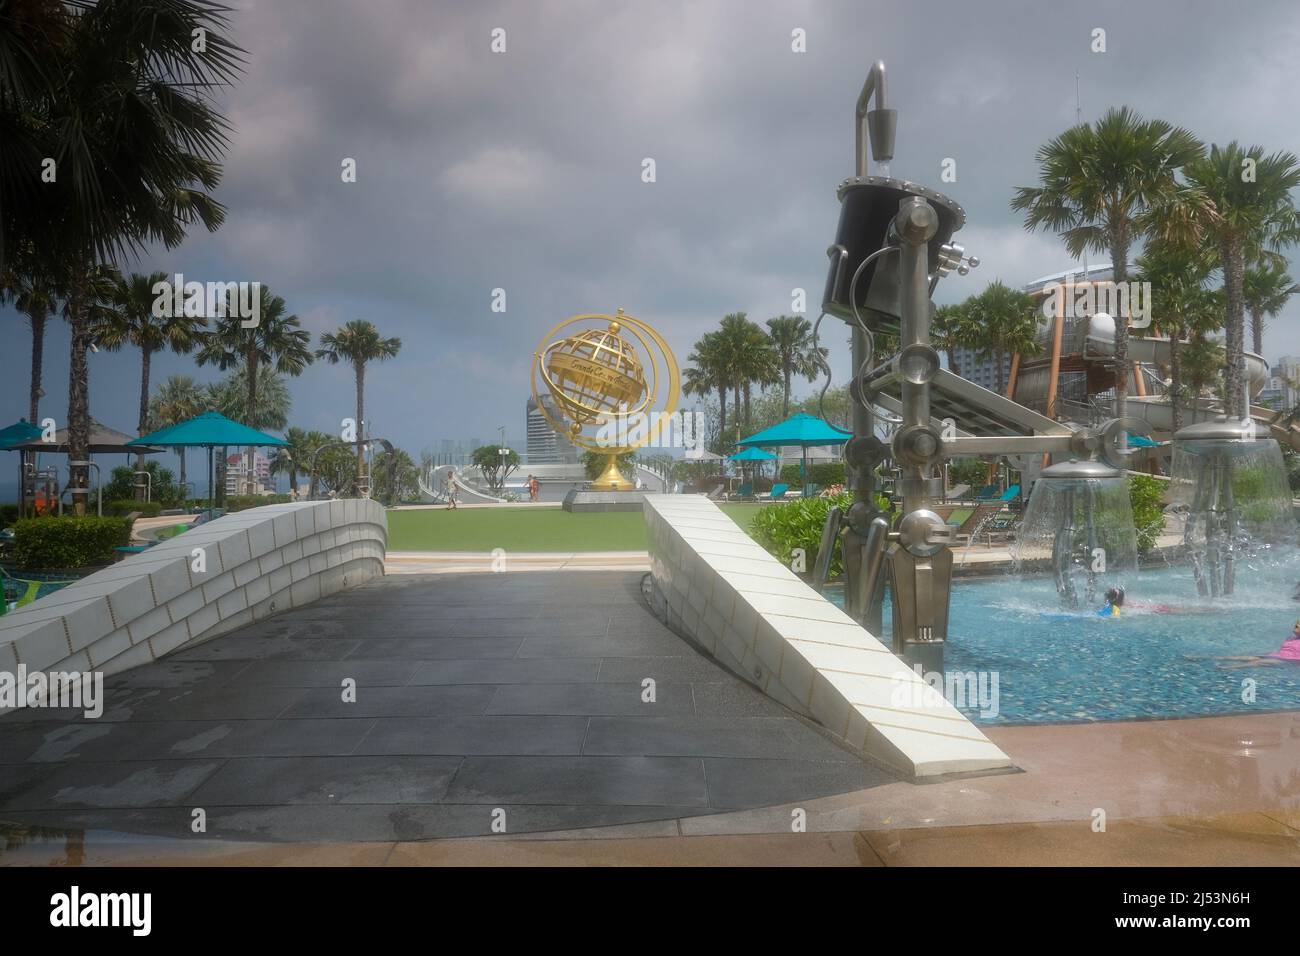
<point x="591" y="368"/>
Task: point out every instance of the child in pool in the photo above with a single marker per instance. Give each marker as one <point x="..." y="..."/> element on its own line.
<point x="1114" y="601"/>
<point x="1289" y="651"/>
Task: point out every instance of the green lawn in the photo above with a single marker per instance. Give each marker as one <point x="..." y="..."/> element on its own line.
<point x="526" y="529"/>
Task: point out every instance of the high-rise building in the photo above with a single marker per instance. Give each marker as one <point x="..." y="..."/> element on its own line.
<point x="237" y="472"/>
<point x="981" y="371"/>
<point x="1287" y="371"/>
<point x="546" y="444"/>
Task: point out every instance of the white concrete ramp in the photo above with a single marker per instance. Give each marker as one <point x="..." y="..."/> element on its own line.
<point x="722" y="589"/>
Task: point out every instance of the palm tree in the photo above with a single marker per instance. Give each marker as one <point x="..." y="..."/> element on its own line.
<point x="277" y="341"/>
<point x="131" y="320"/>
<point x="952" y="329"/>
<point x="178" y="399"/>
<point x="707" y="373"/>
<point x="1265" y="288"/>
<point x="1178" y="275"/>
<point x="34" y="296"/>
<point x="123" y="104"/>
<point x="1008" y="324"/>
<point x="288" y="459"/>
<point x="748" y="358"/>
<point x="792" y="341"/>
<point x="1242" y="203"/>
<point x="358" y="343"/>
<point x="1101" y="187"/>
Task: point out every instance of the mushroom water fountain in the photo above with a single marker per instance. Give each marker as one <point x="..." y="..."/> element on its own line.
<point x="1079" y="522"/>
<point x="1230" y="480"/>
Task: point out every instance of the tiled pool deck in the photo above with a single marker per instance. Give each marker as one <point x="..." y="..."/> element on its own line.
<point x="523" y="693"/>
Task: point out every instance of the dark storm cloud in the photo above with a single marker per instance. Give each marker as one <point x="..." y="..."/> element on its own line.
<point x="522" y="170"/>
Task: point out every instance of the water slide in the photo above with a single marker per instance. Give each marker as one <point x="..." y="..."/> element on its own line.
<point x="1156" y="411"/>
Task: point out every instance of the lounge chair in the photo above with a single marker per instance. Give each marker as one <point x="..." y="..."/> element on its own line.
<point x="744" y="492"/>
<point x="717" y="493"/>
<point x="777" y="493"/>
<point x="958" y="492"/>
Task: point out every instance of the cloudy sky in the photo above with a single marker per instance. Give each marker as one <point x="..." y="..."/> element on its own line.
<point x="522" y="170"/>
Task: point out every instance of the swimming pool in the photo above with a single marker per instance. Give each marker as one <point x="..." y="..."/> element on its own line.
<point x="1141" y="665"/>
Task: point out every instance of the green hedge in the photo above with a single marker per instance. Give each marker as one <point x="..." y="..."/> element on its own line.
<point x="1146" y="494"/>
<point x="44" y="544"/>
<point x="782" y="527"/>
<point x="823" y="474"/>
<point x="124" y="506"/>
<point x="8" y="515"/>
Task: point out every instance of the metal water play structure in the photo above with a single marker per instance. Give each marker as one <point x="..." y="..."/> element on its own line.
<point x="892" y="246"/>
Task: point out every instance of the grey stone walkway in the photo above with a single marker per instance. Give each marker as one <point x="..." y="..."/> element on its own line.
<point x="476" y="693"/>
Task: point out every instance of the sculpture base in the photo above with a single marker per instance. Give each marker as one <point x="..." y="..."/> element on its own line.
<point x="579" y="501"/>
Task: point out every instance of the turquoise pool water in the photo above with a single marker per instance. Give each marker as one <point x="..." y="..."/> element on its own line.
<point x="1144" y="664"/>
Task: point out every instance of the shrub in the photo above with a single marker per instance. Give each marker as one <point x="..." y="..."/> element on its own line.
<point x="124" y="506"/>
<point x="823" y="473"/>
<point x="42" y="544"/>
<point x="1146" y="494"/>
<point x="121" y="483"/>
<point x="8" y="515"/>
<point x="783" y="527"/>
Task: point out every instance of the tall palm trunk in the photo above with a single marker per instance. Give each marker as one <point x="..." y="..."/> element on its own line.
<point x="361" y="418"/>
<point x="38" y="360"/>
<point x="952" y="361"/>
<point x="722" y="415"/>
<point x="145" y="357"/>
<point x="1119" y="243"/>
<point x="79" y="391"/>
<point x="1176" y="374"/>
<point x="786" y="370"/>
<point x="998" y="367"/>
<point x="180" y="453"/>
<point x="1234" y="270"/>
<point x="1257" y="329"/>
<point x="251" y="414"/>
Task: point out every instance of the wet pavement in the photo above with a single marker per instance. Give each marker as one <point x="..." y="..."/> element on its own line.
<point x="483" y="704"/>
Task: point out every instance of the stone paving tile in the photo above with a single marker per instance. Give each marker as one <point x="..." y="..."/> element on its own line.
<point x="612" y="781"/>
<point x="590" y="699"/>
<point x="288" y="781"/>
<point x="687" y="667"/>
<point x="324" y="673"/>
<point x="436" y="649"/>
<point x="237" y="646"/>
<point x="180" y="740"/>
<point x="775" y="737"/>
<point x="392" y="701"/>
<point x="486" y="736"/>
<point x="533" y="671"/>
<point x="663" y="643"/>
<point x="127" y="784"/>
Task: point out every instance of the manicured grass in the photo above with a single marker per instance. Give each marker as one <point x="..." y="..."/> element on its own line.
<point x="526" y="529"/>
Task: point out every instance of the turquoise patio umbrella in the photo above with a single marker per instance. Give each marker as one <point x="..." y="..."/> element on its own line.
<point x="209" y="430"/>
<point x="803" y="430"/>
<point x="752" y="454"/>
<point x="19" y="433"/>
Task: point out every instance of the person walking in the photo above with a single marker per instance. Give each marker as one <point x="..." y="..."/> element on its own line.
<point x="450" y="488"/>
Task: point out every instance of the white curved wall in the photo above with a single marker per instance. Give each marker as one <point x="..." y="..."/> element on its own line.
<point x="256" y="563"/>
